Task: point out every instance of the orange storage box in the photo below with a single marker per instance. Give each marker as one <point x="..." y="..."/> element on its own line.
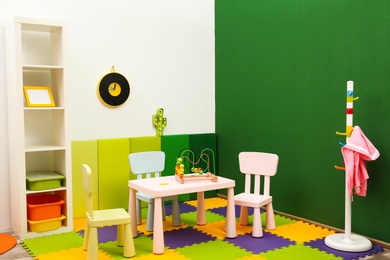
<point x="45" y="225"/>
<point x="42" y="207"/>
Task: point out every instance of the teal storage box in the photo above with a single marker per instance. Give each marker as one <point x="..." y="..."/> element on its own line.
<point x="43" y="180"/>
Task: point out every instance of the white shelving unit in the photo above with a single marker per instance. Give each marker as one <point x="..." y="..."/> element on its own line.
<point x="38" y="136"/>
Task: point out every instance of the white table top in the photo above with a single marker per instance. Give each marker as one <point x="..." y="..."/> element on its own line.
<point x="168" y="185"/>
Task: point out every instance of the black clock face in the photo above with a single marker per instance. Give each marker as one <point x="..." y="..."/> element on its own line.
<point x="113" y="89"/>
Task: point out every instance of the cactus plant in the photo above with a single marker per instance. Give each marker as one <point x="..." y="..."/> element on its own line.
<point x="159" y="121"/>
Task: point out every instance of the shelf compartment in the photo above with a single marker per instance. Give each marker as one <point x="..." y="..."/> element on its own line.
<point x="44" y="127"/>
<point x="51" y="161"/>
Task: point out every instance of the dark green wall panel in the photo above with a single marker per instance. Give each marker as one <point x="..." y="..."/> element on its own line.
<point x="172" y="145"/>
<point x="281" y="73"/>
<point x="200" y="142"/>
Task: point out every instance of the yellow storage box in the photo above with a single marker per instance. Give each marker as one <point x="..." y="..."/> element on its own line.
<point x="45" y="225"/>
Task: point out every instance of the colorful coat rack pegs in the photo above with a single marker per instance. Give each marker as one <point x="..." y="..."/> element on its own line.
<point x="347" y="241"/>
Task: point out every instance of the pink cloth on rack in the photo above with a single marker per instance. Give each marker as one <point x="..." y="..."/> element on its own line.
<point x="356" y="152"/>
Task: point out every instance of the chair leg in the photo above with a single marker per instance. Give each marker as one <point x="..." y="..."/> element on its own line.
<point x="120" y="234"/>
<point x="257" y="229"/>
<point x="244" y="219"/>
<point x="93" y="244"/>
<point x="270" y="218"/>
<point x="86" y="236"/>
<point x="139" y="212"/>
<point x="128" y="249"/>
<point x="163" y="209"/>
<point x="149" y="220"/>
<point x="176" y="219"/>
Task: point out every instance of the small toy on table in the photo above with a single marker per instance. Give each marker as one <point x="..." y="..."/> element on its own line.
<point x="197" y="173"/>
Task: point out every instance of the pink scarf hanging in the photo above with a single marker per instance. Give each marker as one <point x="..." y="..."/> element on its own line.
<point x="356" y="152"/>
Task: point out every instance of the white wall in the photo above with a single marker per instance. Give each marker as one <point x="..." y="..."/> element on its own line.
<point x="165" y="48"/>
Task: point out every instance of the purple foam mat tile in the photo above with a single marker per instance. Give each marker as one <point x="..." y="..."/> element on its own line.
<point x="184" y="208"/>
<point x="222" y="210"/>
<point x="320" y="244"/>
<point x="256" y="245"/>
<point x="106" y="234"/>
<point x="184" y="237"/>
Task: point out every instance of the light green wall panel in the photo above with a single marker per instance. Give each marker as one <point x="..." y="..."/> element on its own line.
<point x="114" y="172"/>
<point x="83" y="152"/>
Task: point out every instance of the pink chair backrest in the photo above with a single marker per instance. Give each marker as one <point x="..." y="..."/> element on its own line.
<point x="258" y="164"/>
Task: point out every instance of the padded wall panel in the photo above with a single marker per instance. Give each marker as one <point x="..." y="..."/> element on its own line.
<point x="201" y="141"/>
<point x="143" y="144"/>
<point x="172" y="145"/>
<point x="114" y="172"/>
<point x="83" y="152"/>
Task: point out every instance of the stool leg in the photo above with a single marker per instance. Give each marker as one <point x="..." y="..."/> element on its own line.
<point x="163" y="209"/>
<point x="176" y="220"/>
<point x="86" y="236"/>
<point x="244" y="216"/>
<point x="257" y="229"/>
<point x="150" y="218"/>
<point x="138" y="211"/>
<point x="93" y="244"/>
<point x="128" y="249"/>
<point x="120" y="235"/>
<point x="270" y="218"/>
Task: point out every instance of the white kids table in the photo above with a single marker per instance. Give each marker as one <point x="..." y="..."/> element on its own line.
<point x="167" y="186"/>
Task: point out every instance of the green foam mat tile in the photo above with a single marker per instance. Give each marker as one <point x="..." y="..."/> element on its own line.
<point x="189" y="218"/>
<point x="216" y="249"/>
<point x="52" y="243"/>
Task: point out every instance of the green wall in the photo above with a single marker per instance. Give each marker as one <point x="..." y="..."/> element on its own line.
<point x="281" y="73"/>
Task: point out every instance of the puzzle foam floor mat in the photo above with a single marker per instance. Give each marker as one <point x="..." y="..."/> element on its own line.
<point x="292" y="239"/>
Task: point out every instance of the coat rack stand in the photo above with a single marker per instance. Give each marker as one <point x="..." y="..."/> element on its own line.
<point x="347" y="241"/>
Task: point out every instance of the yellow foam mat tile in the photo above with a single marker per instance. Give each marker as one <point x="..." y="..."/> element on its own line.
<point x="169" y="254"/>
<point x="306" y="232"/>
<point x="210" y="203"/>
<point x="252" y="257"/>
<point x="73" y="253"/>
<point x="217" y="229"/>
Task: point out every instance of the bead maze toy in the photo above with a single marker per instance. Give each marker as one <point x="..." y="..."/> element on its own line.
<point x="197" y="172"/>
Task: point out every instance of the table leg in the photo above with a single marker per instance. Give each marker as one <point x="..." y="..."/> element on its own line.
<point x="230" y="215"/>
<point x="132" y="212"/>
<point x="158" y="231"/>
<point x="201" y="210"/>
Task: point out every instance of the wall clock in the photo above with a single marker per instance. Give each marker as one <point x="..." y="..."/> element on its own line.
<point x="113" y="89"/>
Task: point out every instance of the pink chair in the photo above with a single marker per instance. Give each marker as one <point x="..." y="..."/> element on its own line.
<point x="257" y="164"/>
